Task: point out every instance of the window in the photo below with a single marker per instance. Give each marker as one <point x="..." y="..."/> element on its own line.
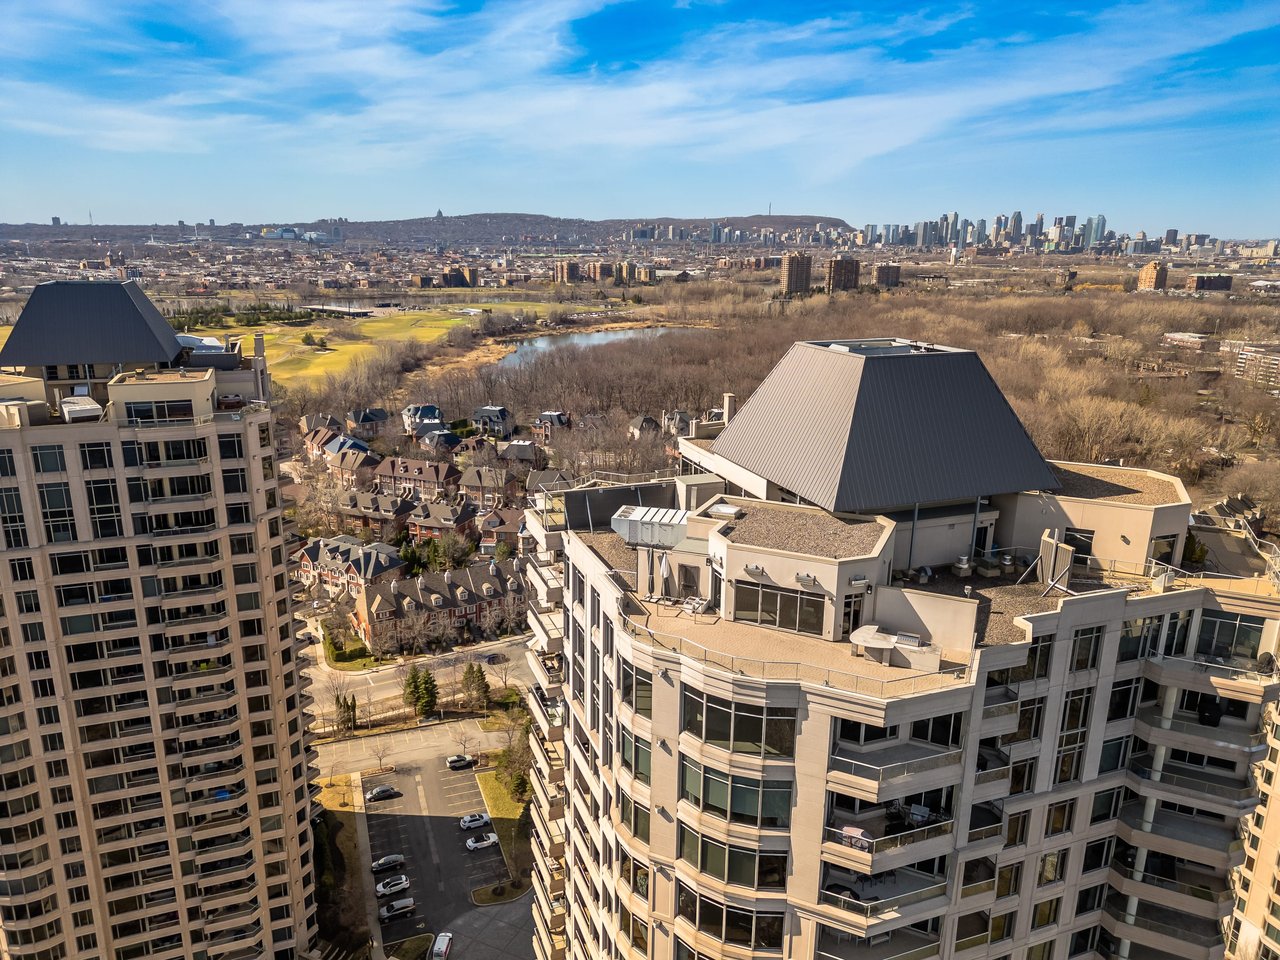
<point x="1030" y="720"/>
<point x="1040" y="951"/>
<point x="159" y="411"/>
<point x="1084" y="648"/>
<point x="945" y="731"/>
<point x="1097" y="854"/>
<point x="1090" y="899"/>
<point x="1060" y="818"/>
<point x="96" y="456"/>
<point x="1075" y="714"/>
<point x="1009" y="879"/>
<point x="740" y="727"/>
<point x="28" y="601"/>
<point x="635" y="754"/>
<point x="1002" y="926"/>
<point x="1106" y="805"/>
<point x="1070" y="760"/>
<point x="633" y="872"/>
<point x="1015" y="831"/>
<point x="634" y="816"/>
<point x="55" y="507"/>
<point x="1053" y="867"/>
<point x="776" y="607"/>
<point x="1139" y="639"/>
<point x="1045" y="913"/>
<point x="1224" y="635"/>
<point x="7" y="466"/>
<point x="1123" y="702"/>
<point x="104" y="509"/>
<point x="12" y="520"/>
<point x="758" y="931"/>
<point x="1022" y="776"/>
<point x="48" y="458"/>
<point x="21" y="568"/>
<point x="743" y="866"/>
<point x="230" y="446"/>
<point x="235" y="481"/>
<point x="1037" y="665"/>
<point x="763" y="803"/>
<point x="1176" y="634"/>
<point x="635" y="687"/>
<point x="1115" y="754"/>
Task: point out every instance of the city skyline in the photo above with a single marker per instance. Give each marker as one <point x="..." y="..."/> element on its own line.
<point x="393" y="109"/>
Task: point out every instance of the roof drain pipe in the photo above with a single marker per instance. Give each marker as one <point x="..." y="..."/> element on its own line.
<point x="911" y="544"/>
<point x="973" y="535"/>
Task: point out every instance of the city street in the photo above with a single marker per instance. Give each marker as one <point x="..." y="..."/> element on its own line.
<point x="422" y="824"/>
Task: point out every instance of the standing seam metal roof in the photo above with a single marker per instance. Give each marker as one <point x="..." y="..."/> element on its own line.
<point x="855" y="432"/>
<point x="89" y="321"/>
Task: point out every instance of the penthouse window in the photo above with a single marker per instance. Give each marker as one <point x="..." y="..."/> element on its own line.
<point x="48" y="458"/>
<point x="775" y="607"/>
<point x="160" y="411"/>
<point x="1224" y="635"/>
<point x="740" y="727"/>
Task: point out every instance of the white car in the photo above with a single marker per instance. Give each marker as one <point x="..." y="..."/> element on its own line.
<point x="482" y="841"/>
<point x="460" y="761"/>
<point x="440" y="949"/>
<point x="392" y="885"/>
<point x="396" y="908"/>
<point x="473" y="820"/>
<point x="390" y="862"/>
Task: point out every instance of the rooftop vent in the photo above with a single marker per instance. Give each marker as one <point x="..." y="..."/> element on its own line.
<point x="725" y="511"/>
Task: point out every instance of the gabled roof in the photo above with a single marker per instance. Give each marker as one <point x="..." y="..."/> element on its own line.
<point x="89" y="321"/>
<point x="857" y="426"/>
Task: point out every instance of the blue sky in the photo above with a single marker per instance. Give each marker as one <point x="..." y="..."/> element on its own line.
<point x="1158" y="114"/>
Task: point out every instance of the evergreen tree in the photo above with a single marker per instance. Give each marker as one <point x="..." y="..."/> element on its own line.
<point x="475" y="687"/>
<point x="412" y="685"/>
<point x="428" y="693"/>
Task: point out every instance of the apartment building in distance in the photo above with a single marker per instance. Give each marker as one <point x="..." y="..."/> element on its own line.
<point x="842" y="274"/>
<point x="152" y="744"/>
<point x="797" y="273"/>
<point x="894" y="686"/>
<point x="1153" y="276"/>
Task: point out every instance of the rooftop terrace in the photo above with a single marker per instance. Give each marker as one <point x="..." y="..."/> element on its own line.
<point x="802" y="530"/>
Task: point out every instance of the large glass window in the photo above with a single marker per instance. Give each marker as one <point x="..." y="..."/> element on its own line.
<point x="12" y="521"/>
<point x="764" y="803"/>
<point x="759" y="931"/>
<point x="635" y="754"/>
<point x="1224" y="635"/>
<point x="742" y="866"/>
<point x="634" y="816"/>
<point x="55" y="507"/>
<point x="1139" y="639"/>
<point x="1085" y="646"/>
<point x="635" y="687"/>
<point x="48" y="458"/>
<point x="744" y="728"/>
<point x="777" y="607"/>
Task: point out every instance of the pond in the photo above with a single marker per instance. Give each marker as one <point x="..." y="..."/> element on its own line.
<point x="528" y="349"/>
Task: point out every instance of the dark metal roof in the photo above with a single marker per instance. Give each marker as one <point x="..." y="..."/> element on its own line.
<point x="866" y="427"/>
<point x="89" y="321"/>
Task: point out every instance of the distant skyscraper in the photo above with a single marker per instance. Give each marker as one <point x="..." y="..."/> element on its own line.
<point x="1170" y="237"/>
<point x="57" y="222"/>
<point x="953" y="228"/>
<point x="1015" y="226"/>
<point x="1038" y="229"/>
<point x="869" y="234"/>
<point x="980" y="232"/>
<point x="842" y="274"/>
<point x="1087" y="238"/>
<point x="797" y="271"/>
<point x="1099" y="229"/>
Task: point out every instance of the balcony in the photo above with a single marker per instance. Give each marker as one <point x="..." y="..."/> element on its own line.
<point x="549" y="834"/>
<point x="903" y="944"/>
<point x="1190" y="782"/>
<point x="1175" y="732"/>
<point x="868" y="838"/>
<point x="986" y="821"/>
<point x="548" y="712"/>
<point x="978" y="883"/>
<point x="548" y="671"/>
<point x="1192" y="938"/>
<point x="544" y="574"/>
<point x="548" y="756"/>
<point x="872" y="900"/>
<point x="547" y="625"/>
<point x="1194" y="892"/>
<point x="1201" y="840"/>
<point x="872" y="775"/>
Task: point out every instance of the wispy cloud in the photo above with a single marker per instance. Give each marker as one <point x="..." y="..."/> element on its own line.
<point x="404" y="86"/>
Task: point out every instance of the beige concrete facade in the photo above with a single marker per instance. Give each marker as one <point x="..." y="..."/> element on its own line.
<point x="155" y="767"/>
<point x="1054" y="749"/>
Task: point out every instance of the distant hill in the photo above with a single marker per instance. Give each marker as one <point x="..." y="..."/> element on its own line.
<point x="488" y="228"/>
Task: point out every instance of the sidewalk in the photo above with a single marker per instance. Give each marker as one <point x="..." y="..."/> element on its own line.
<point x="366" y="855"/>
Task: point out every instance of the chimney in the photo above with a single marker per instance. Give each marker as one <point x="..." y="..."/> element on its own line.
<point x="259" y="345"/>
<point x="730" y="406"/>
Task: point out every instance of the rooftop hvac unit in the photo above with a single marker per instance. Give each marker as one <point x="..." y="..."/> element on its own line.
<point x="650" y="526"/>
<point x="724" y="511"/>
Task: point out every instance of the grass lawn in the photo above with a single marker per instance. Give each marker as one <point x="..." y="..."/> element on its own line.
<point x="506" y="816"/>
<point x="343" y="921"/>
<point x="360" y="663"/>
<point x="415" y="948"/>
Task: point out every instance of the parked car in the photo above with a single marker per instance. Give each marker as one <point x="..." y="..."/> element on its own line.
<point x="384" y="792"/>
<point x="483" y="841"/>
<point x="473" y="820"/>
<point x="396" y="908"/>
<point x="440" y="949"/>
<point x="391" y="885"/>
<point x="461" y="761"/>
<point x="390" y="862"/>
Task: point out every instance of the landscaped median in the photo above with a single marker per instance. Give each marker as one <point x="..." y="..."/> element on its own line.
<point x="512" y="828"/>
<point x="415" y="948"/>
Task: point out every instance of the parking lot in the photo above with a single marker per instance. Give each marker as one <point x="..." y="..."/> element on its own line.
<point x="421" y="823"/>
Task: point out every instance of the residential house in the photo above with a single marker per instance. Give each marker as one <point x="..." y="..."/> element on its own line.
<point x="676" y="423"/>
<point x="416" y="479"/>
<point x="524" y="454"/>
<point x="420" y="413"/>
<point x="353" y="467"/>
<point x="369" y="423"/>
<point x="501" y="525"/>
<point x="492" y="420"/>
<point x="382" y="516"/>
<point x="315" y="440"/>
<point x="546" y="480"/>
<point x="641" y="425"/>
<point x="490" y="486"/>
<point x="547" y="422"/>
<point x="436" y="438"/>
<point x="396" y="614"/>
<point x="344" y="564"/>
<point x="431" y="521"/>
<point x="474" y="445"/>
<point x="318" y="421"/>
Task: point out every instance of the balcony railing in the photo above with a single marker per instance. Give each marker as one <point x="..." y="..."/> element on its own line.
<point x="855" y="906"/>
<point x="892" y="771"/>
<point x="1174" y="886"/>
<point x="894" y="841"/>
<point x="1140" y="766"/>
